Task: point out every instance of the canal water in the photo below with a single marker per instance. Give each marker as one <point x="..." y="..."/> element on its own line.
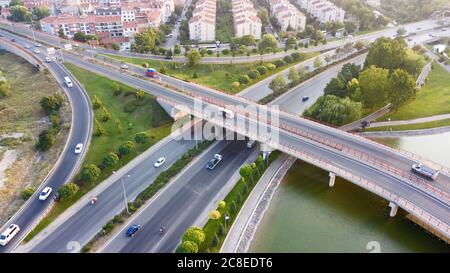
<point x="307" y="216"/>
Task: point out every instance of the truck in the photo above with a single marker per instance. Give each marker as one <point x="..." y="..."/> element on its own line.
<point x="424" y="171"/>
<point x="213" y="162"/>
<point x="151" y="72"/>
<point x="50" y="50"/>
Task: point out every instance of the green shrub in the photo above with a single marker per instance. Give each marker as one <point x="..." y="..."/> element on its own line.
<point x="279" y="63"/>
<point x="253" y="74"/>
<point x="27" y="193"/>
<point x="271" y="66"/>
<point x="187" y="247"/>
<point x="261" y="69"/>
<point x="68" y="190"/>
<point x="288" y="59"/>
<point x="244" y="79"/>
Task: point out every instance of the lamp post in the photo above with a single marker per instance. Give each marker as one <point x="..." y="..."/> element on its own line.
<point x="226" y="218"/>
<point x="124" y="192"/>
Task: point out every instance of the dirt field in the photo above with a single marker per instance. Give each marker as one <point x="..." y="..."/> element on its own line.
<point x="21" y="121"/>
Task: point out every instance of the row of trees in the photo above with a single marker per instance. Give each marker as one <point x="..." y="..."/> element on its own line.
<point x="20" y="13"/>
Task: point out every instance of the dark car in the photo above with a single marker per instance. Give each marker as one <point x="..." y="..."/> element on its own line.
<point x="132" y="230"/>
<point x="13" y="40"/>
<point x="305" y="98"/>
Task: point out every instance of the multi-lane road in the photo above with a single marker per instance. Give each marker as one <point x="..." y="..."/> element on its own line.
<point x="68" y="161"/>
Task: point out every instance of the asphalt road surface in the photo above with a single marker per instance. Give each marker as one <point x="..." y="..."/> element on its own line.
<point x="179" y="206"/>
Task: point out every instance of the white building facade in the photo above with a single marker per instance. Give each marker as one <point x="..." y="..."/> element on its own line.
<point x="246" y="20"/>
<point x="202" y="25"/>
<point x="287" y="15"/>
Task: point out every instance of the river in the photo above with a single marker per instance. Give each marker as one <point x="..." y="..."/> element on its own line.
<point x="307" y="216"/>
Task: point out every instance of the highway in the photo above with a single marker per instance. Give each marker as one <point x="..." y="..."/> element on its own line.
<point x="180" y="205"/>
<point x="421" y="27"/>
<point x="67" y="163"/>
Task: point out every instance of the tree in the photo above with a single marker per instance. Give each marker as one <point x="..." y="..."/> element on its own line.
<point x="277" y="84"/>
<point x="194" y="57"/>
<point x="90" y="173"/>
<point x="386" y="53"/>
<point x="291" y="42"/>
<point x="354" y="90"/>
<point x="126" y="148"/>
<point x="301" y="71"/>
<point x="221" y="204"/>
<point x="96" y="102"/>
<point x="98" y="128"/>
<point x="214" y="215"/>
<point x="247" y="40"/>
<point x="262" y="69"/>
<point x="116" y="88"/>
<point x="142" y="138"/>
<point x="187" y="247"/>
<point x="194" y="234"/>
<point x="105" y="114"/>
<point x="244" y="79"/>
<point x="336" y="87"/>
<point x="334" y="110"/>
<point x="359" y="45"/>
<point x="177" y="50"/>
<point x="401" y="88"/>
<point x="115" y="46"/>
<point x="203" y="52"/>
<point x="13" y="3"/>
<point x="373" y="82"/>
<point x="139" y="94"/>
<point x="40" y="12"/>
<point x="260" y="164"/>
<point x="61" y="33"/>
<point x="348" y="72"/>
<point x="350" y="26"/>
<point x="20" y="14"/>
<point x="27" y="193"/>
<point x="169" y="53"/>
<point x="110" y="159"/>
<point x="317" y="62"/>
<point x="246" y="172"/>
<point x="263" y="15"/>
<point x="267" y="42"/>
<point x="293" y="75"/>
<point x="68" y="190"/>
<point x="45" y="141"/>
<point x="253" y="74"/>
<point x="144" y="42"/>
<point x="52" y="103"/>
<point x="80" y="36"/>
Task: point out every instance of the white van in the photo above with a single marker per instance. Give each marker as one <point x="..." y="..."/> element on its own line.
<point x="68" y="81"/>
<point x="251" y="143"/>
<point x="8" y="234"/>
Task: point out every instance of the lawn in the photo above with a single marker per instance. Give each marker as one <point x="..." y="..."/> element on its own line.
<point x="216" y="76"/>
<point x="147" y="117"/>
<point x="417" y="126"/>
<point x="432" y="99"/>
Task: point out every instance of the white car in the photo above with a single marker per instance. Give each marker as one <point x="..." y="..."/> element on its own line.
<point x="124" y="66"/>
<point x="48" y="60"/>
<point x="45" y="193"/>
<point x="37" y="45"/>
<point x="27" y="46"/>
<point x="78" y="148"/>
<point x="36" y="51"/>
<point x="159" y="162"/>
<point x="8" y="234"/>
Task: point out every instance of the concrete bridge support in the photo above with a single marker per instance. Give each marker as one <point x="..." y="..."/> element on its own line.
<point x="394" y="209"/>
<point x="332" y="179"/>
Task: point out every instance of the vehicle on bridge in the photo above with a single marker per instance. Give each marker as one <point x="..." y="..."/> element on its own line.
<point x="213" y="162"/>
<point x="8" y="234"/>
<point x="424" y="171"/>
<point x="151" y="72"/>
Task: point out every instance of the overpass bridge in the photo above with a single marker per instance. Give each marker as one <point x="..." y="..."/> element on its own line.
<point x="12" y="47"/>
<point x="375" y="167"/>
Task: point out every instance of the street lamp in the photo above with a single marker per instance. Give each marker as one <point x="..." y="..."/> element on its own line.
<point x="226" y="218"/>
<point x="124" y="192"/>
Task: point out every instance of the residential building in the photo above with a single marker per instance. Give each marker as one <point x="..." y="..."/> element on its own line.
<point x="245" y="18"/>
<point x="323" y="10"/>
<point x="202" y="25"/>
<point x="288" y="16"/>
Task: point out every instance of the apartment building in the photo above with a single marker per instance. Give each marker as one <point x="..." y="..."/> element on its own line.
<point x="245" y="18"/>
<point x="202" y="25"/>
<point x="323" y="10"/>
<point x="287" y="15"/>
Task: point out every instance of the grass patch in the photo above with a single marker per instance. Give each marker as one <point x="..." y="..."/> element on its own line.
<point x="147" y="117"/>
<point x="216" y="76"/>
<point x="416" y="126"/>
<point x="432" y="99"/>
<point x="237" y="196"/>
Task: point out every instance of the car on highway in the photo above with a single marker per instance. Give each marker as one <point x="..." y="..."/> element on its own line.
<point x="214" y="161"/>
<point x="8" y="234"/>
<point x="432" y="35"/>
<point x="444" y="29"/>
<point x="26" y="46"/>
<point x="124" y="66"/>
<point x="305" y="98"/>
<point x="37" y="45"/>
<point x="131" y="231"/>
<point x="45" y="193"/>
<point x="424" y="171"/>
<point x="13" y="40"/>
<point x="78" y="148"/>
<point x="159" y="162"/>
<point x="36" y="51"/>
<point x="48" y="60"/>
<point x="68" y="82"/>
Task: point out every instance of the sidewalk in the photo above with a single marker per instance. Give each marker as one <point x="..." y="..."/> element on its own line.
<point x="357" y="124"/>
<point x="244" y="227"/>
<point x="411" y="121"/>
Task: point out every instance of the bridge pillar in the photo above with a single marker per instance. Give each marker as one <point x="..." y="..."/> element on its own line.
<point x="265" y="148"/>
<point x="394" y="209"/>
<point x="332" y="179"/>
